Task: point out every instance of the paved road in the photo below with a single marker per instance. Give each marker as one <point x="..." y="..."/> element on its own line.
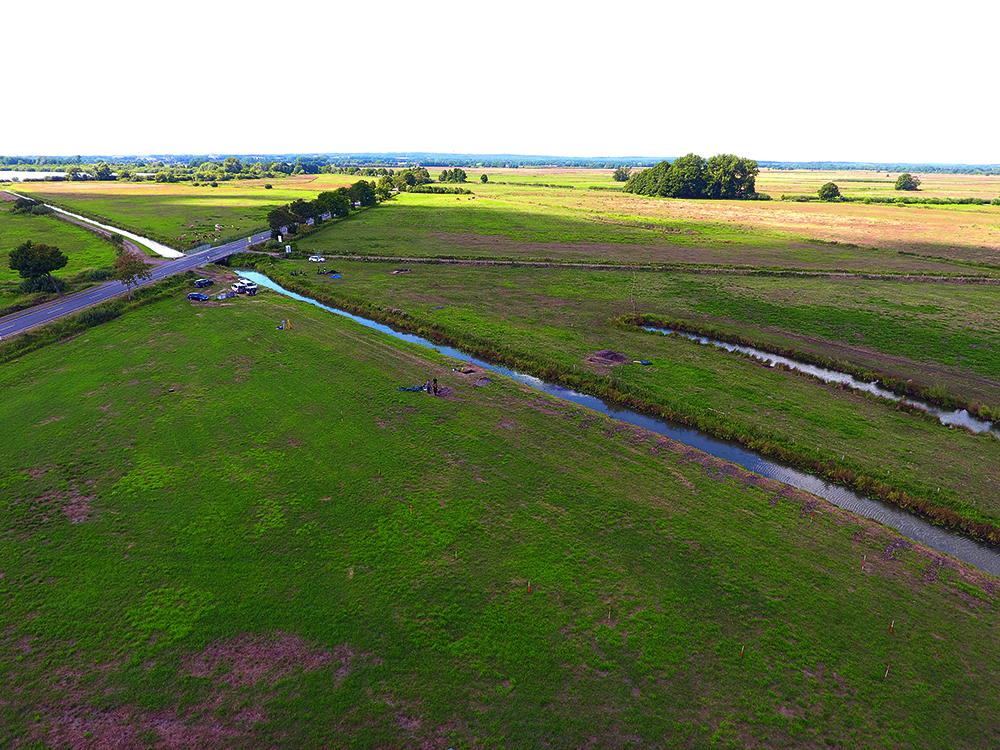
<point x="38" y="316"/>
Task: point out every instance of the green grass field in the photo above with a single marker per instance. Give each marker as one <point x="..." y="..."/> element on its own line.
<point x="527" y="218"/>
<point x="503" y="224"/>
<point x="183" y="215"/>
<point x="558" y="318"/>
<point x="84" y="250"/>
<point x="208" y="541"/>
<point x="218" y="534"/>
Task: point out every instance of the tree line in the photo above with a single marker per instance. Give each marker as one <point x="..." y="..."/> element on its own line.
<point x="838" y="166"/>
<point x="274" y="165"/>
<point x="337" y="203"/>
<point x="723" y="176"/>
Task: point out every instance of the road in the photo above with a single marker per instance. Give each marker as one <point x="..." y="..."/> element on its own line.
<point x="38" y="316"/>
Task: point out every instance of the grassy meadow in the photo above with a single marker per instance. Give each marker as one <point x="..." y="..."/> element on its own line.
<point x="557" y="318"/>
<point x="219" y="534"/>
<point x="594" y="228"/>
<point x="182" y="215"/>
<point x="551" y="214"/>
<point x="84" y="249"/>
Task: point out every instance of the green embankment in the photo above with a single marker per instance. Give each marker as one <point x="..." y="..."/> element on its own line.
<point x="207" y="537"/>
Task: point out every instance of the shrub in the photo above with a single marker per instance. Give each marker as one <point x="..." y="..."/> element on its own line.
<point x="267" y="186"/>
<point x="97" y="315"/>
<point x="97" y="274"/>
<point x="39" y="284"/>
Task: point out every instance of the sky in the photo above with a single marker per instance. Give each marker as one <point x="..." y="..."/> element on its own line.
<point x="878" y="80"/>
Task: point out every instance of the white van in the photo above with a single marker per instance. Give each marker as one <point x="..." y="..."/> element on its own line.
<point x="244" y="286"/>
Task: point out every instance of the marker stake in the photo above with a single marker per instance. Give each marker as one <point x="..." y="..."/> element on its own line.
<point x="741" y="651"/>
<point x="886" y="671"/>
<point x="890" y="626"/>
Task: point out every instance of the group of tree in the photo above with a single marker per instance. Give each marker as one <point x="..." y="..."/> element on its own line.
<point x="99" y="171"/>
<point x="338" y="203"/>
<point x="723" y="176"/>
<point x="29" y="206"/>
<point x="907" y="181"/>
<point x="622" y="173"/>
<point x="453" y="175"/>
<point x="404" y="179"/>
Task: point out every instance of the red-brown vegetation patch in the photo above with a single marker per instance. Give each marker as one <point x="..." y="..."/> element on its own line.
<point x="51" y="419"/>
<point x="77" y="506"/>
<point x="38" y="471"/>
<point x="542" y="406"/>
<point x="128" y="726"/>
<point x="249" y="659"/>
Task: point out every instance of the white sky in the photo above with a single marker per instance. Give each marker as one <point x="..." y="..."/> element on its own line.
<point x="767" y="79"/>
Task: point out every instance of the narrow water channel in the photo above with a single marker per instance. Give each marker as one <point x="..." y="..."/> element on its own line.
<point x="156" y="247"/>
<point x="956" y="418"/>
<point x="913" y="527"/>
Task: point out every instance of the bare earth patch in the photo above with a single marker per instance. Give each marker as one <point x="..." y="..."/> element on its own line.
<point x="604" y="359"/>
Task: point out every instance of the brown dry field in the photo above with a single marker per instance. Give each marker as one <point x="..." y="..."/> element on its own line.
<point x="308" y="184"/>
<point x="775" y="182"/>
<point x="958" y="233"/>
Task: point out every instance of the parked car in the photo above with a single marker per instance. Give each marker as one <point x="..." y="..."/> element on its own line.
<point x="198" y="297"/>
<point x="317" y="259"/>
<point x="244" y="286"/>
<point x="203" y="283"/>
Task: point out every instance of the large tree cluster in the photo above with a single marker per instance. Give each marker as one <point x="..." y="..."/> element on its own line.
<point x="452" y="175"/>
<point x="722" y="176"/>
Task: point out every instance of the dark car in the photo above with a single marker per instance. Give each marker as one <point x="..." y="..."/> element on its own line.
<point x="203" y="282"/>
<point x="198" y="297"/>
